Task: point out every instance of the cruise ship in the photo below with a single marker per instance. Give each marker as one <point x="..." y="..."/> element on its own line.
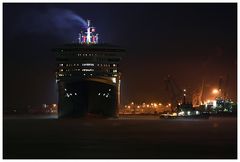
<point x="88" y="77"/>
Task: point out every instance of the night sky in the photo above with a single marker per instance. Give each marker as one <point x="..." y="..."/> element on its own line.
<point x="191" y="42"/>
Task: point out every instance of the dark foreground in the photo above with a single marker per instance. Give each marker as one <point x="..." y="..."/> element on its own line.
<point x="110" y="139"/>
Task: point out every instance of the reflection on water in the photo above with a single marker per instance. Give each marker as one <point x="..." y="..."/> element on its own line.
<point x="46" y="116"/>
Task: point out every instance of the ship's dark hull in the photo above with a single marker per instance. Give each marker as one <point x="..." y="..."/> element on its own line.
<point x="87" y="97"/>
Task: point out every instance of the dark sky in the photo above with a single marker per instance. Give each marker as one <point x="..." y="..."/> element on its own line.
<point x="188" y="41"/>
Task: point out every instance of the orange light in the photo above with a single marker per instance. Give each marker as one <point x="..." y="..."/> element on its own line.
<point x="215" y="91"/>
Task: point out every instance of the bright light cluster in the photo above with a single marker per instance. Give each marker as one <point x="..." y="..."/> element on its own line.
<point x="89" y="37"/>
<point x="148" y="108"/>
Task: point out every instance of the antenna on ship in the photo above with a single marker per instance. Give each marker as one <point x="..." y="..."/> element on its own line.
<point x="89" y="37"/>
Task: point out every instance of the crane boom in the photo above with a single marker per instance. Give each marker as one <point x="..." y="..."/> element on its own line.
<point x="175" y="93"/>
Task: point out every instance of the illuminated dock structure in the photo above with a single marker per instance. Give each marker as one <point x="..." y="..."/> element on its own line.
<point x="88" y="77"/>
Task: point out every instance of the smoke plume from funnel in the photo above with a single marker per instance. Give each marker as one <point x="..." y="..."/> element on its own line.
<point x="64" y="17"/>
<point x="62" y="23"/>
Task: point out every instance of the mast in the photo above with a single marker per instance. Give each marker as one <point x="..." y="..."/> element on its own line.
<point x="89" y="37"/>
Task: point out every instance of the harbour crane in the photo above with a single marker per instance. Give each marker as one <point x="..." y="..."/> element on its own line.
<point x="223" y="86"/>
<point x="174" y="92"/>
<point x="197" y="98"/>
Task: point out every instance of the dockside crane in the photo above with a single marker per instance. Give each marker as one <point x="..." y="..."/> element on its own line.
<point x="174" y="92"/>
<point x="223" y="87"/>
<point x="226" y="88"/>
<point x="197" y="98"/>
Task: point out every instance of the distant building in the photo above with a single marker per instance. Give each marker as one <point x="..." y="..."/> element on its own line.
<point x="88" y="77"/>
